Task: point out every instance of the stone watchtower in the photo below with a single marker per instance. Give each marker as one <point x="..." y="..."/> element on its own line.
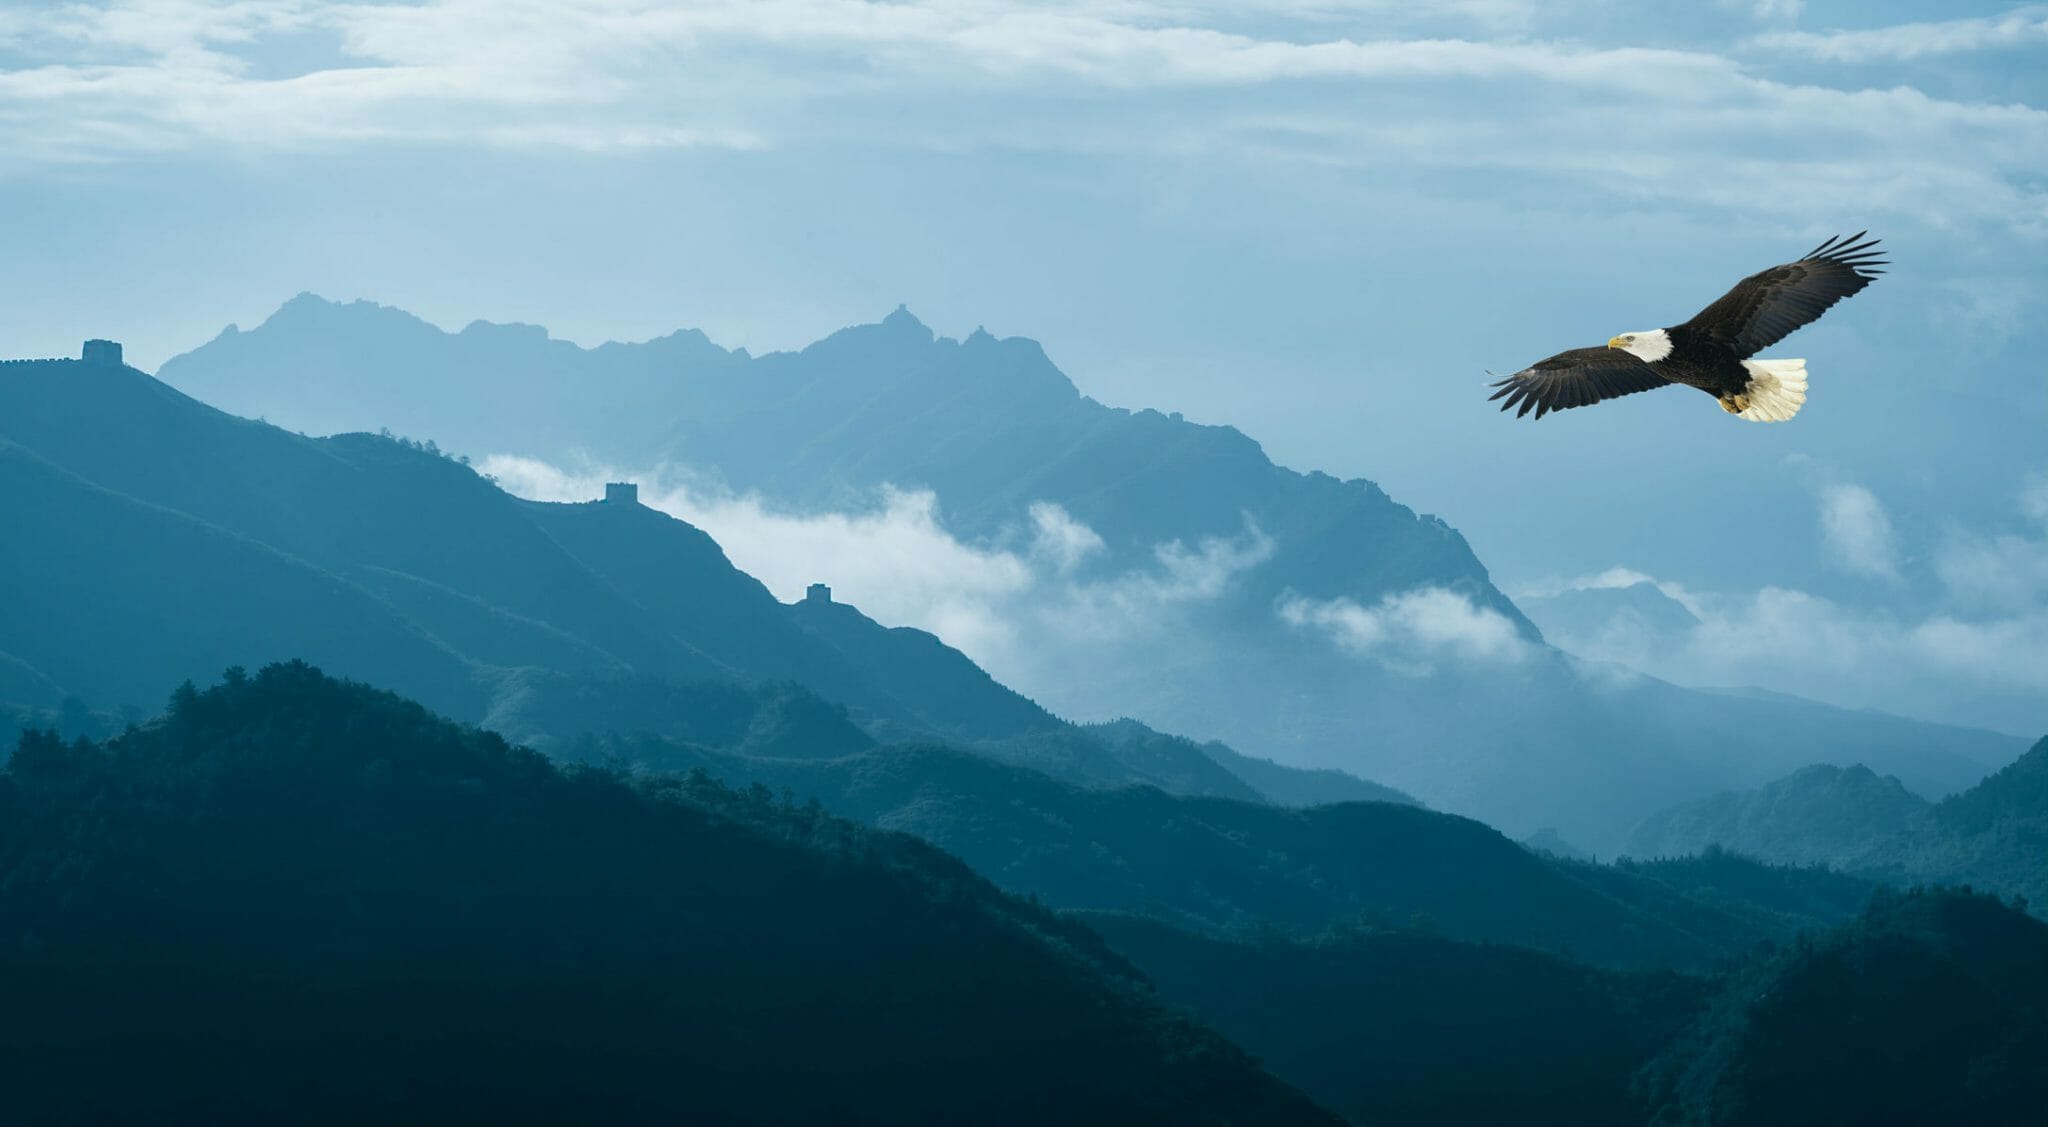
<point x="621" y="493"/>
<point x="102" y="352"/>
<point x="817" y="593"/>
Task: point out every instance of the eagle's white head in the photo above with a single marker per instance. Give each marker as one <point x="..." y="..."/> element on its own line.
<point x="1648" y="345"/>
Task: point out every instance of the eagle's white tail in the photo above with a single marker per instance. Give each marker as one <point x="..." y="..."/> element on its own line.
<point x="1776" y="391"/>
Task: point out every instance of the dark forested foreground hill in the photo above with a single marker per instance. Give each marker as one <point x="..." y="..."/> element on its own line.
<point x="1930" y="1008"/>
<point x="294" y="899"/>
<point x="1392" y="1027"/>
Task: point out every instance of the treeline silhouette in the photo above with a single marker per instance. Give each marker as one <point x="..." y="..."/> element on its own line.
<point x="1214" y="864"/>
<point x="295" y="898"/>
<point x="1930" y="1007"/>
<point x="1388" y="1026"/>
<point x="1992" y="835"/>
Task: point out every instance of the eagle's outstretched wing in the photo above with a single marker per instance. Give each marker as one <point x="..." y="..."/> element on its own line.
<point x="1766" y="307"/>
<point x="1574" y="379"/>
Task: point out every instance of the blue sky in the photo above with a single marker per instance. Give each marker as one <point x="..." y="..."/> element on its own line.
<point x="1321" y="222"/>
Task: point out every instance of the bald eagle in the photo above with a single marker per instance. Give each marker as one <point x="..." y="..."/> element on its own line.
<point x="1712" y="351"/>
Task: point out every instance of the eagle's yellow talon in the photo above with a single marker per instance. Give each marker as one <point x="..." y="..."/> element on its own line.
<point x="1735" y="404"/>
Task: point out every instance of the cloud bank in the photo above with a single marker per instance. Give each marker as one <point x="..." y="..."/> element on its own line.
<point x="2024" y="27"/>
<point x="1483" y="87"/>
<point x="1857" y="531"/>
<point x="1037" y="607"/>
<point x="1029" y="608"/>
<point x="1976" y="653"/>
<point x="1411" y="632"/>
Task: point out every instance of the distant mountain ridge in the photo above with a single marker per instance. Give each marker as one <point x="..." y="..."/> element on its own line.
<point x="1993" y="835"/>
<point x="613" y="633"/>
<point x="884" y="403"/>
<point x="1362" y="636"/>
<point x="1820" y="813"/>
<point x="1639" y="612"/>
<point x="201" y="540"/>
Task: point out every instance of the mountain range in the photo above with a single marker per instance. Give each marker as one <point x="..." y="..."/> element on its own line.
<point x="244" y="543"/>
<point x="174" y="541"/>
<point x="776" y="862"/>
<point x="1336" y="627"/>
<point x="1224" y="866"/>
<point x="289" y="884"/>
<point x="1992" y="836"/>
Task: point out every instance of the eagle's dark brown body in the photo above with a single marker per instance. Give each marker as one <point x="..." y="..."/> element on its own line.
<point x="1697" y="360"/>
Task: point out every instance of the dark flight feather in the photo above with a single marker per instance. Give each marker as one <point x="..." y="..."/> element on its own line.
<point x="1576" y="378"/>
<point x="1766" y="307"/>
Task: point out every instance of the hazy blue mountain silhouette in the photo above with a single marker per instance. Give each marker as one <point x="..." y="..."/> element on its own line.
<point x="108" y="595"/>
<point x="293" y="899"/>
<point x="1820" y="813"/>
<point x="1638" y="611"/>
<point x="153" y="537"/>
<point x="992" y="426"/>
<point x="1288" y="786"/>
<point x="552" y="621"/>
<point x="1993" y="835"/>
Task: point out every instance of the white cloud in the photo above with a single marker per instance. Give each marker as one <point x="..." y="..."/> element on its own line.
<point x="1028" y="609"/>
<point x="1987" y="310"/>
<point x="2034" y="500"/>
<point x="2003" y="571"/>
<point x="1066" y="542"/>
<point x="2020" y="28"/>
<point x="149" y="76"/>
<point x="1414" y="631"/>
<point x="1978" y="657"/>
<point x="1776" y="629"/>
<point x="1942" y="666"/>
<point x="1857" y="532"/>
<point x="1781" y="11"/>
<point x="1613" y="578"/>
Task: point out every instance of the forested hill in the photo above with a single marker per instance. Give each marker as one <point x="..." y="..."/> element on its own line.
<point x="293" y="898"/>
<point x="1222" y="866"/>
<point x="1993" y="835"/>
<point x="1930" y="1007"/>
<point x="290" y="884"/>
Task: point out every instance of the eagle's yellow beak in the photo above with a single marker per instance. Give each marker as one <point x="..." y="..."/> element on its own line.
<point x="1615" y="342"/>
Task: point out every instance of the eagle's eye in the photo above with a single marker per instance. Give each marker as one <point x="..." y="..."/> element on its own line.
<point x="1629" y="337"/>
